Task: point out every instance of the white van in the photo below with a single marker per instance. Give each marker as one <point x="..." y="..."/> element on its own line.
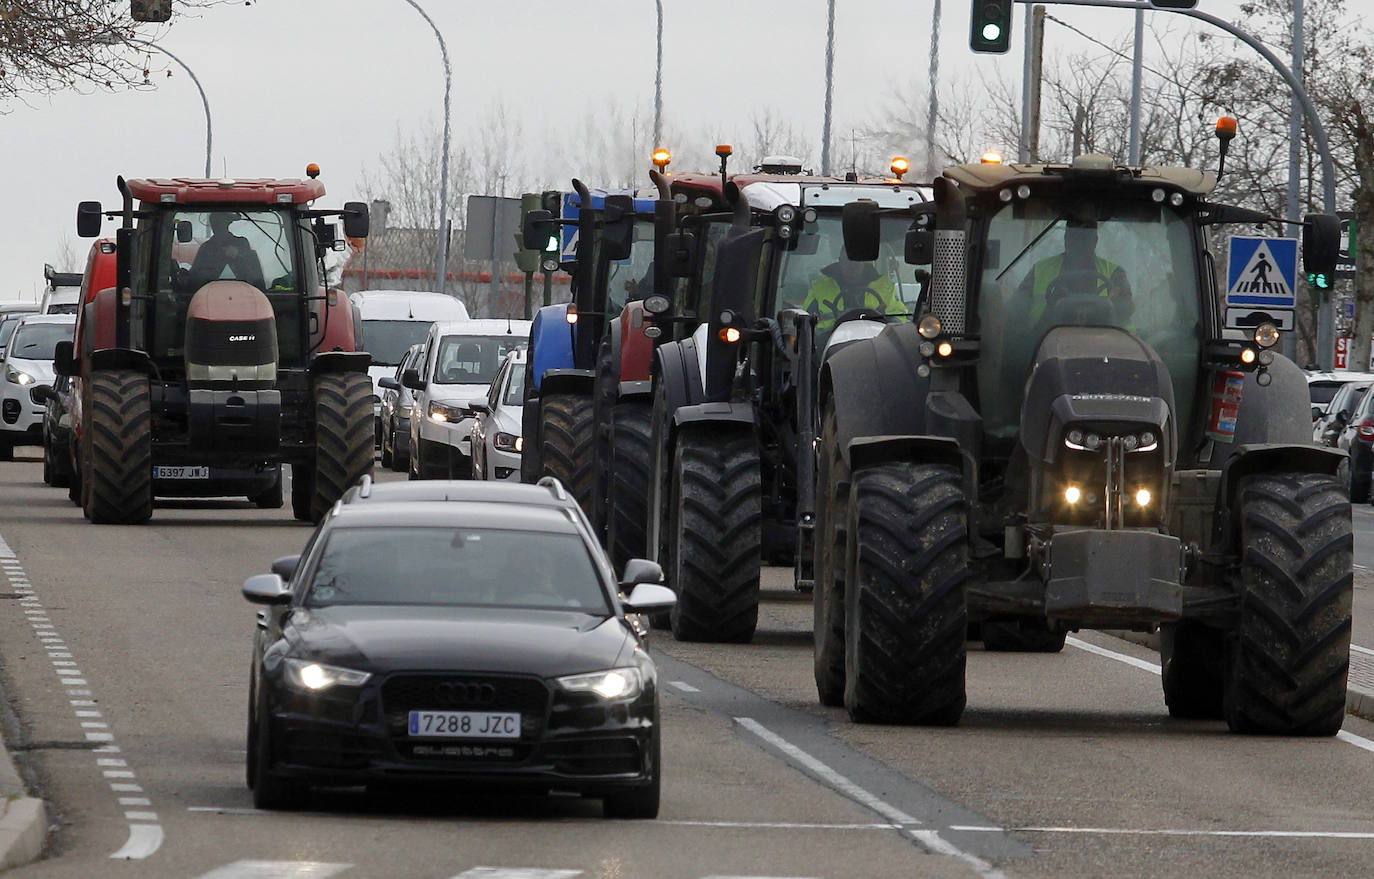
<point x="460" y="360"/>
<point x="63" y="293"/>
<point x="393" y="320"/>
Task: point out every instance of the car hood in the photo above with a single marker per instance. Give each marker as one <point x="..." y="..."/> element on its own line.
<point x="41" y="370"/>
<point x="519" y="641"/>
<point x="457" y="395"/>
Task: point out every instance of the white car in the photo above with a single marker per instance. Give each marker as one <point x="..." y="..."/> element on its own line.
<point x="496" y="439"/>
<point x="27" y="366"/>
<point x="461" y="358"/>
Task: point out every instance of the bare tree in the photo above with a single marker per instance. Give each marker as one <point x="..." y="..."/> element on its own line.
<point x="51" y="45"/>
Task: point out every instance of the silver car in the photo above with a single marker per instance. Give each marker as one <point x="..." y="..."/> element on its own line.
<point x="397" y="403"/>
<point x="496" y="439"/>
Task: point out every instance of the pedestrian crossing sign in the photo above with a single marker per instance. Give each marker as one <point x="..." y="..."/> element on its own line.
<point x="1262" y="272"/>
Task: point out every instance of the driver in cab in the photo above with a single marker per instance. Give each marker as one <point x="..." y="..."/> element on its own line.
<point x="845" y="285"/>
<point x="1078" y="271"/>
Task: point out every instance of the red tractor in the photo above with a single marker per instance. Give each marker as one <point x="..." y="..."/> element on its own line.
<point x="220" y="353"/>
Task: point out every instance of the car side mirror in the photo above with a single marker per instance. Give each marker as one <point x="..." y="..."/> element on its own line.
<point x="266" y="589"/>
<point x="88" y="217"/>
<point x="389" y="383"/>
<point x="355" y="219"/>
<point x="285" y="567"/>
<point x="1316" y="412"/>
<point x="411" y="379"/>
<point x="63" y="363"/>
<point x="641" y="571"/>
<point x="649" y="598"/>
<point x="479" y="406"/>
<point x="45" y="393"/>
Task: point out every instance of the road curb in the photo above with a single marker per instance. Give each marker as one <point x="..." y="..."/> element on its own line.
<point x="1358" y="701"/>
<point x="23" y="828"/>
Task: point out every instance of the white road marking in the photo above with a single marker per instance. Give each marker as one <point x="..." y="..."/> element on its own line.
<point x="141" y="816"/>
<point x="1365" y="650"/>
<point x="1144" y="665"/>
<point x="117" y="773"/>
<point x="1272" y="834"/>
<point x="685" y="687"/>
<point x="826" y="774"/>
<point x="144" y="839"/>
<point x="110" y="761"/>
<point x="135" y="801"/>
<point x="732" y="876"/>
<point x="121" y="787"/>
<point x="516" y="873"/>
<point x="778" y="825"/>
<point x="936" y="844"/>
<point x="99" y="737"/>
<point x="1350" y="738"/>
<point x="275" y="870"/>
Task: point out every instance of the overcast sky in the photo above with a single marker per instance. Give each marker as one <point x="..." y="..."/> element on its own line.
<point x="329" y="81"/>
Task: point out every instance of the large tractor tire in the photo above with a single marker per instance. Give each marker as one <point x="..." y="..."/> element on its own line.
<point x="121" y="448"/>
<point x="714" y="529"/>
<point x="827" y="597"/>
<point x="627" y="507"/>
<point x="567" y="438"/>
<point x="906" y="610"/>
<point x="1021" y="636"/>
<point x="1291" y="650"/>
<point x="343" y="438"/>
<point x="1193" y="670"/>
<point x="603" y="403"/>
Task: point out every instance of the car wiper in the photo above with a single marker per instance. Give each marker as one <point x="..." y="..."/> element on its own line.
<point x="1034" y="241"/>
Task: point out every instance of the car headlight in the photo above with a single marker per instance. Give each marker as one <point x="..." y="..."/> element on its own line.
<point x="611" y="685"/>
<point x="441" y="413"/>
<point x="313" y="677"/>
<point x="17" y="377"/>
<point x="507" y="442"/>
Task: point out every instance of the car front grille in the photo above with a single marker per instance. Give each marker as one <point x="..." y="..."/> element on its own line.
<point x="402" y="694"/>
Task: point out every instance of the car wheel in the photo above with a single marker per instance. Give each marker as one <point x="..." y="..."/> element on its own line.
<point x="271" y="498"/>
<point x="638" y="802"/>
<point x="47" y="466"/>
<point x="272" y="791"/>
<point x="388" y="442"/>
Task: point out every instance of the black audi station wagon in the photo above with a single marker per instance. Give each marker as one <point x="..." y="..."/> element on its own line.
<point x="468" y="641"/>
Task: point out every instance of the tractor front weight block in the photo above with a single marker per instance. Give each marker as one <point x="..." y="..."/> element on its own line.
<point x="1109" y="578"/>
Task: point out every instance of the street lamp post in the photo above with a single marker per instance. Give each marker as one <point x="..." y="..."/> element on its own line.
<point x="205" y="102"/>
<point x="658" y="81"/>
<point x="443" y="161"/>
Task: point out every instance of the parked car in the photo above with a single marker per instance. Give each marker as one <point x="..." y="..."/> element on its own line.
<point x="378" y="664"/>
<point x="392" y="321"/>
<point x="461" y="358"/>
<point x="27" y="369"/>
<point x="59" y="465"/>
<point x="397" y="401"/>
<point x="1357" y="438"/>
<point x="496" y="423"/>
<point x="1330" y="423"/>
<point x="1322" y="387"/>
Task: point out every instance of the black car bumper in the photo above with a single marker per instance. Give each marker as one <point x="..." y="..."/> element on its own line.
<point x="565" y="743"/>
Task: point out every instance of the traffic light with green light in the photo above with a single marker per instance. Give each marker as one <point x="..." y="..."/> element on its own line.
<point x="1319" y="280"/>
<point x="1321" y="244"/>
<point x="990" y="28"/>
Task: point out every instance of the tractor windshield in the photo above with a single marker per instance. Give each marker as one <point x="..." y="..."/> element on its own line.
<point x="817" y="276"/>
<point x="195" y="247"/>
<point x="1051" y="263"/>
<point x="632" y="278"/>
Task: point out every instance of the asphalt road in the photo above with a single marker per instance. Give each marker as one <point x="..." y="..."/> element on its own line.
<point x="126" y="671"/>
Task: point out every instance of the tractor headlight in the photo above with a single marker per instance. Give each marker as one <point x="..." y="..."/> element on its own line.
<point x="1142" y="497"/>
<point x="1082" y="441"/>
<point x="1073" y="494"/>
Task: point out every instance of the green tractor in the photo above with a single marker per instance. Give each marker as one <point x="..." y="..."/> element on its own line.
<point x="1068" y="437"/>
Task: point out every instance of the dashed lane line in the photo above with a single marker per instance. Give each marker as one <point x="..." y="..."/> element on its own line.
<point x="145" y="830"/>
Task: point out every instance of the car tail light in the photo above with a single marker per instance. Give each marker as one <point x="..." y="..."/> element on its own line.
<point x="1366" y="429"/>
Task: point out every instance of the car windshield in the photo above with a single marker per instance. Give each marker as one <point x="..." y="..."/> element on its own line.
<point x="7" y="327"/>
<point x="817" y="276"/>
<point x="1049" y="263"/>
<point x="389" y="340"/>
<point x="473" y="360"/>
<point x="515" y="388"/>
<point x="445" y="566"/>
<point x="632" y="278"/>
<point x="39" y="341"/>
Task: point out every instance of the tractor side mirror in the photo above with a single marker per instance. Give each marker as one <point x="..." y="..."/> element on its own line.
<point x="411" y="379"/>
<point x="355" y="219"/>
<point x="63" y="363"/>
<point x="88" y="217"/>
<point x="537" y="229"/>
<point x="617" y="236"/>
<point x="859" y="222"/>
<point x="1321" y="245"/>
<point x="920" y="247"/>
<point x="679" y="250"/>
<point x="184" y="234"/>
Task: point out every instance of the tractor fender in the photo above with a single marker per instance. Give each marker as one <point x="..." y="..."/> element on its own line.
<point x="1248" y="460"/>
<point x="1280" y="412"/>
<point x="714" y="413"/>
<point x="613" y="341"/>
<point x="866" y="451"/>
<point x="334" y="362"/>
<point x="551" y="342"/>
<point x="635" y="351"/>
<point x="568" y="381"/>
<point x="96" y="323"/>
<point x="861" y="378"/>
<point x="678" y="377"/>
<point x="121" y="358"/>
<point x="638" y="390"/>
<point x="335" y="324"/>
